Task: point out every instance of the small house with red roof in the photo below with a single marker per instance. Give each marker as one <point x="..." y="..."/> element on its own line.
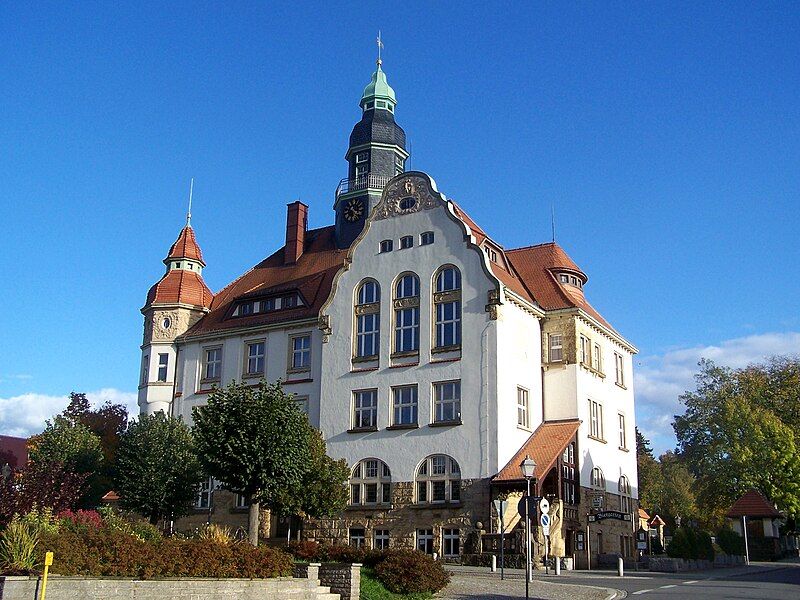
<point x="432" y="358"/>
<point x="759" y="516"/>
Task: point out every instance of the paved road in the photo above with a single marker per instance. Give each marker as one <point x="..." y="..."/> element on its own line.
<point x="778" y="581"/>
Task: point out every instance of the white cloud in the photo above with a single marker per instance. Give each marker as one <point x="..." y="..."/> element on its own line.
<point x="24" y="415"/>
<point x="659" y="380"/>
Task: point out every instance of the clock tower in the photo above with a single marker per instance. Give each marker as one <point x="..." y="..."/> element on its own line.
<point x="377" y="152"/>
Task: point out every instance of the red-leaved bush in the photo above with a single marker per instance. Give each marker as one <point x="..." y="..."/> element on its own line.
<point x="80" y="520"/>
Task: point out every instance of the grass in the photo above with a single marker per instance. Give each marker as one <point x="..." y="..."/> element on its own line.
<point x="372" y="589"/>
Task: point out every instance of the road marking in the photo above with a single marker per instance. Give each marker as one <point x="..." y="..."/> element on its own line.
<point x="641" y="592"/>
<point x="664" y="587"/>
<point x="692" y="581"/>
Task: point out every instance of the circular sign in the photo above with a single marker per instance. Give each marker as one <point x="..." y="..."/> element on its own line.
<point x="545" y="520"/>
<point x="544" y="506"/>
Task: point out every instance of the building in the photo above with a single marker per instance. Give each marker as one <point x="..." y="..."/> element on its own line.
<point x="431" y="358"/>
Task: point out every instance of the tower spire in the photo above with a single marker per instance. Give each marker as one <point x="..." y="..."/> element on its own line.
<point x="189" y="212"/>
<point x="380" y="45"/>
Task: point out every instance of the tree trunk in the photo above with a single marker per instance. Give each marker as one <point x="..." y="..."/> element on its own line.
<point x="153" y="519"/>
<point x="252" y="523"/>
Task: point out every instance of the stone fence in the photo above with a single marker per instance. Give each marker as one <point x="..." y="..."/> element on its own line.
<point x="342" y="578"/>
<point x="675" y="565"/>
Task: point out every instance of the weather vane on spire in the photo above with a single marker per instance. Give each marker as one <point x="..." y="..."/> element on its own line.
<point x="380" y="45"/>
<point x="189" y="212"/>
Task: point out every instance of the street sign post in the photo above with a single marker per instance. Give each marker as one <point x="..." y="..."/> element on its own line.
<point x="544" y="506"/>
<point x="500" y="507"/>
<point x="544" y="520"/>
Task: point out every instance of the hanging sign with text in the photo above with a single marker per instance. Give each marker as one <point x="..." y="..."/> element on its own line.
<point x="609" y="514"/>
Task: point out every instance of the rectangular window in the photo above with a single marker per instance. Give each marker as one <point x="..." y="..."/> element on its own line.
<point x="380" y="539"/>
<point x="255" y="358"/>
<point x="406" y="241"/>
<point x="355" y="493"/>
<point x="425" y="540"/>
<point x="426" y="238"/>
<point x="362" y="157"/>
<point x="584" y="349"/>
<point x="367" y="334"/>
<point x="438" y="491"/>
<point x="365" y="409"/>
<point x="620" y="369"/>
<point x="241" y="501"/>
<point x="623" y="442"/>
<point x="405" y="405"/>
<point x="268" y="304"/>
<point x="361" y="171"/>
<point x="407" y="329"/>
<point x="301" y="351"/>
<point x="145" y="367"/>
<point x="163" y="362"/>
<point x="556" y="346"/>
<point x="597" y="358"/>
<point x="451" y="543"/>
<point x="422" y="491"/>
<point x="399" y="165"/>
<point x="448" y="323"/>
<point x="203" y="498"/>
<point x="387" y="245"/>
<point x="356" y="536"/>
<point x="595" y="420"/>
<point x="523" y="419"/>
<point x="212" y="370"/>
<point x="447" y="401"/>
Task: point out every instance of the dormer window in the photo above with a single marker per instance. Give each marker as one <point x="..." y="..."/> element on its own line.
<point x="570" y="280"/>
<point x="564" y="278"/>
<point x="491" y="253"/>
<point x="251" y="307"/>
<point x="362" y="157"/>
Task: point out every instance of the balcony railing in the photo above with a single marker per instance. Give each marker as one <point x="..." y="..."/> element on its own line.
<point x="365" y="182"/>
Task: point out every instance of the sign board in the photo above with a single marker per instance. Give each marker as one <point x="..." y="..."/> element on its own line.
<point x="609" y="514"/>
<point x="641" y="535"/>
<point x="544" y="506"/>
<point x="641" y="545"/>
<point x="545" y="521"/>
<point x="527" y="506"/>
<point x="500" y="507"/>
<point x="598" y="501"/>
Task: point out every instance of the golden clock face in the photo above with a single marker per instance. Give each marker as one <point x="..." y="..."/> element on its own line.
<point x="353" y="210"/>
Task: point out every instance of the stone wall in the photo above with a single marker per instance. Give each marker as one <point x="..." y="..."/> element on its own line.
<point x="404" y="517"/>
<point x="342" y="578"/>
<point x="72" y="588"/>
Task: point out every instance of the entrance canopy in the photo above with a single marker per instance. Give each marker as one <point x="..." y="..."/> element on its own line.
<point x="544" y="446"/>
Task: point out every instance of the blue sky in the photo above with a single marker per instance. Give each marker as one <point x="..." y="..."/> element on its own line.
<point x="666" y="137"/>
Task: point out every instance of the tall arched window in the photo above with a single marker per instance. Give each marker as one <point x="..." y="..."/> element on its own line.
<point x="447" y="302"/>
<point x="598" y="480"/>
<point x="406" y="314"/>
<point x="438" y="480"/>
<point x="371" y="483"/>
<point x="368" y="319"/>
<point x="624" y="494"/>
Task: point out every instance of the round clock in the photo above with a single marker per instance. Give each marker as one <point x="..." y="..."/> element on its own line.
<point x="353" y="210"/>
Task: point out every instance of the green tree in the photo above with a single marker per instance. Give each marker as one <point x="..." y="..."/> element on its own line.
<point x="733" y="440"/>
<point x="257" y="442"/>
<point x="158" y="469"/>
<point x="651" y="481"/>
<point x="75" y="447"/>
<point x="677" y="495"/>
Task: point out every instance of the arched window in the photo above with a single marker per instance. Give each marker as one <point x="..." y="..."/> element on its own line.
<point x="598" y="480"/>
<point x="624" y="494"/>
<point x="438" y="480"/>
<point x="368" y="319"/>
<point x="447" y="302"/>
<point x="406" y="314"/>
<point x="371" y="483"/>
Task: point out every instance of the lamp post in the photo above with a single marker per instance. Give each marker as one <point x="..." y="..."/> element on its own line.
<point x="528" y="467"/>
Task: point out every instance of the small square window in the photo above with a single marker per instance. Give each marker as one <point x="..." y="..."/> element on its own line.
<point x="406" y="241"/>
<point x="426" y="238"/>
<point x="386" y="245"/>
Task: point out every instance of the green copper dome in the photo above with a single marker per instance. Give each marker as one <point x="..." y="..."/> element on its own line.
<point x="378" y="90"/>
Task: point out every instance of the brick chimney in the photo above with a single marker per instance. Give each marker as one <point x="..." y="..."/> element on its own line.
<point x="296" y="222"/>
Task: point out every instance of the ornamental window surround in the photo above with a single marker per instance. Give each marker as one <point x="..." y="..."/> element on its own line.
<point x="438" y="480"/>
<point x="371" y="483"/>
<point x="447" y="308"/>
<point x="406" y="314"/>
<point x="368" y="318"/>
<point x="624" y="494"/>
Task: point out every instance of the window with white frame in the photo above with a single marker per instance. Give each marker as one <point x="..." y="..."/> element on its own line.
<point x="203" y="498"/>
<point x="569" y="470"/>
<point x="256" y="352"/>
<point x="438" y="480"/>
<point x="405" y="405"/>
<point x="406" y="314"/>
<point x="523" y="414"/>
<point x="598" y="480"/>
<point x="620" y="369"/>
<point x="380" y="539"/>
<point x="623" y="438"/>
<point x="362" y="157"/>
<point x="300" y="346"/>
<point x="597" y="358"/>
<point x="212" y="365"/>
<point x="241" y="501"/>
<point x="451" y="543"/>
<point x="361" y="171"/>
<point x="371" y="483"/>
<point x="425" y="238"/>
<point x="356" y="536"/>
<point x="399" y="164"/>
<point x="425" y="540"/>
<point x="365" y="409"/>
<point x="585" y="358"/>
<point x="163" y="363"/>
<point x="145" y="367"/>
<point x="447" y="402"/>
<point x="555" y="347"/>
<point x="624" y="495"/>
<point x="596" y="420"/>
<point x="447" y="300"/>
<point x="386" y="246"/>
<point x="407" y="241"/>
<point x="368" y="319"/>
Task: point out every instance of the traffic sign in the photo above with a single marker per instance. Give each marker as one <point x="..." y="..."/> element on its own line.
<point x="544" y="506"/>
<point x="527" y="506"/>
<point x="545" y="522"/>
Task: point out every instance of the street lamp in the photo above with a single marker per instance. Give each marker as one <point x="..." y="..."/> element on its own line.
<point x="528" y="467"/>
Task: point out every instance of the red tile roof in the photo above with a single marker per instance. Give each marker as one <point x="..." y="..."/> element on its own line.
<point x="110" y="496"/>
<point x="180" y="286"/>
<point x="13" y="450"/>
<point x="753" y="504"/>
<point x="186" y="246"/>
<point x="312" y="275"/>
<point x="544" y="446"/>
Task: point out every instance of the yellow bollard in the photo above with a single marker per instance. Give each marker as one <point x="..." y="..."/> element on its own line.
<point x="48" y="560"/>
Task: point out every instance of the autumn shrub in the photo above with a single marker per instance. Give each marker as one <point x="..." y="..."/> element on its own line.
<point x="261" y="562"/>
<point x="305" y="551"/>
<point x="80" y="520"/>
<point x="411" y="571"/>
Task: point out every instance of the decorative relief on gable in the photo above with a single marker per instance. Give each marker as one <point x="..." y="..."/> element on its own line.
<point x="406" y="195"/>
<point x="166" y="325"/>
<point x="324" y="325"/>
